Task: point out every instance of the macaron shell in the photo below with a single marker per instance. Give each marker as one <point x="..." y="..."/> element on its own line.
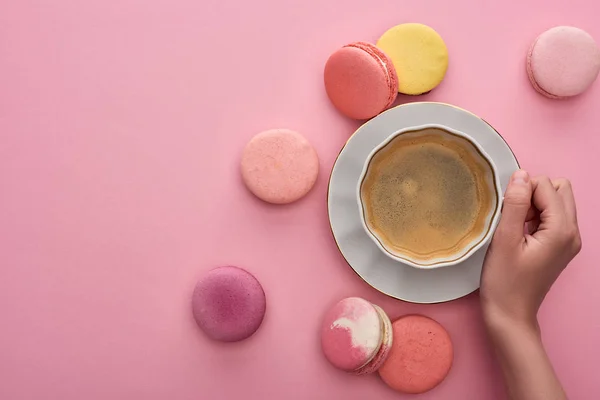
<point x="421" y="355"/>
<point x="351" y="334"/>
<point x="279" y="166"/>
<point x="419" y="55"/>
<point x="360" y="80"/>
<point x="386" y="66"/>
<point x="532" y="78"/>
<point x="384" y="349"/>
<point x="563" y="61"/>
<point x="229" y="304"/>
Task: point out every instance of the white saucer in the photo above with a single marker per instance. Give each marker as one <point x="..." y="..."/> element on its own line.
<point x="390" y="277"/>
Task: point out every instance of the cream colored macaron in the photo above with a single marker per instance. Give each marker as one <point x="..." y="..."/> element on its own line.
<point x="419" y="55"/>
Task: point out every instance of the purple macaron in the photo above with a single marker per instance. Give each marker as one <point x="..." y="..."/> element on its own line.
<point x="229" y="304"/>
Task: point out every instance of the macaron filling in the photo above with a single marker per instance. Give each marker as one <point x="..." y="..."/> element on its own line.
<point x="384" y="348"/>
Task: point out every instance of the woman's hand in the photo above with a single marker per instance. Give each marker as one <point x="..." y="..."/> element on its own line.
<point x="536" y="238"/>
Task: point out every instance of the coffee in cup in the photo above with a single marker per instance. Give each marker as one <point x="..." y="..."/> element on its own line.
<point x="429" y="196"/>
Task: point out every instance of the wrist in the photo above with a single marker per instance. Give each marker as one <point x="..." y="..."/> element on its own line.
<point x="500" y="323"/>
<point x="518" y="346"/>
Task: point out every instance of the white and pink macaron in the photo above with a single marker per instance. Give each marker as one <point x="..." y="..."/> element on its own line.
<point x="562" y="62"/>
<point x="356" y="336"/>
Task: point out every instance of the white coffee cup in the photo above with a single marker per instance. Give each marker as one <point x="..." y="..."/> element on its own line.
<point x="490" y="219"/>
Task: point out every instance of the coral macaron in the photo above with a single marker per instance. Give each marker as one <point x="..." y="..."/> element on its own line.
<point x="562" y="62"/>
<point x="229" y="304"/>
<point x="279" y="166"/>
<point x="360" y="80"/>
<point x="421" y="355"/>
<point x="356" y="336"/>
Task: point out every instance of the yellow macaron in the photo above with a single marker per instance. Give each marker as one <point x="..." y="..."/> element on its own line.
<point x="419" y="55"/>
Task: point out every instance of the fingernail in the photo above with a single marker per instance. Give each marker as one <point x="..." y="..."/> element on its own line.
<point x="520" y="177"/>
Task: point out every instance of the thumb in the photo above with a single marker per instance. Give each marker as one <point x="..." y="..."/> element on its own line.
<point x="517" y="201"/>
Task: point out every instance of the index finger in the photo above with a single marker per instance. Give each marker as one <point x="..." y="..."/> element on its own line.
<point x="565" y="191"/>
<point x="548" y="202"/>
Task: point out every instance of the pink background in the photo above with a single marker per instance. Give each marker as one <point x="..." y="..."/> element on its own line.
<point x="121" y="126"/>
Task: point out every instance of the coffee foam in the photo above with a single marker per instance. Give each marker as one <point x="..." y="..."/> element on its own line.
<point x="427" y="195"/>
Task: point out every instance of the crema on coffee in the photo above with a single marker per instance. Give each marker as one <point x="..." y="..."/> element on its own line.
<point x="426" y="194"/>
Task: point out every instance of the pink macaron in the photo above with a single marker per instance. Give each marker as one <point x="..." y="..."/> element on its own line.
<point x="562" y="62"/>
<point x="229" y="304"/>
<point x="360" y="80"/>
<point x="421" y="355"/>
<point x="356" y="336"/>
<point x="279" y="166"/>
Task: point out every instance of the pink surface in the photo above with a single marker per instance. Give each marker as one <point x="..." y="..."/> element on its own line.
<point x="563" y="61"/>
<point x="228" y="304"/>
<point x="351" y="334"/>
<point x="421" y="355"/>
<point x="279" y="166"/>
<point x="121" y="130"/>
<point x="360" y="80"/>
